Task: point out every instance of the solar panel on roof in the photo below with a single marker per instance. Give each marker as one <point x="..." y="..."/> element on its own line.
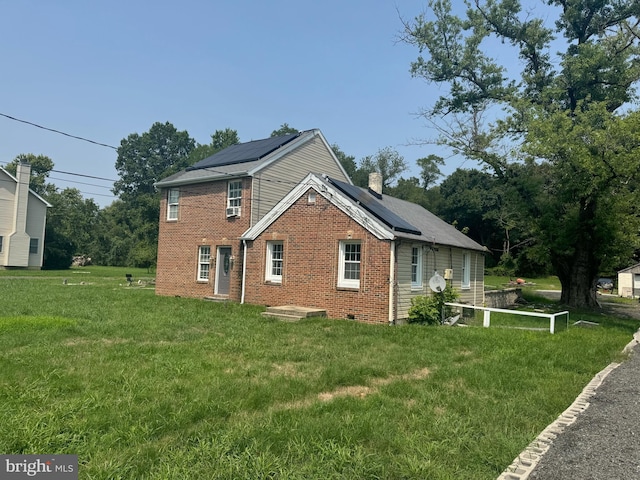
<point x="244" y="152"/>
<point x="373" y="206"/>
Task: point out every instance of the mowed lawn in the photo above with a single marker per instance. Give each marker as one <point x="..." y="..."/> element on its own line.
<point x="148" y="387"/>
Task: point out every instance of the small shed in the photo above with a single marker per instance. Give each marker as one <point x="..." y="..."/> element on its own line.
<point x="629" y="282"/>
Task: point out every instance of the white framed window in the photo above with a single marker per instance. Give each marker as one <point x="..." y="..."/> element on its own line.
<point x="204" y="262"/>
<point x="33" y="246"/>
<point x="1" y="237"/>
<point x="416" y="267"/>
<point x="173" y="201"/>
<point x="349" y="264"/>
<point x="234" y="196"/>
<point x="466" y="270"/>
<point x="275" y="262"/>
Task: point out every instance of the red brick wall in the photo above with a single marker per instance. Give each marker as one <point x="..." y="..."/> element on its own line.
<point x="311" y="234"/>
<point x="201" y="221"/>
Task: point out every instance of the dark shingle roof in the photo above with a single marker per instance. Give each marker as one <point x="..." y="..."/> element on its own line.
<point x="408" y="219"/>
<point x="370" y="203"/>
<point x="244" y="152"/>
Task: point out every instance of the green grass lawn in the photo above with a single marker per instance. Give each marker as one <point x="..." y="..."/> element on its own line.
<point x="147" y="387"/>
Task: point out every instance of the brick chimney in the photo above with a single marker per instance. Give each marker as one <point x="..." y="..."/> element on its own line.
<point x="375" y="184"/>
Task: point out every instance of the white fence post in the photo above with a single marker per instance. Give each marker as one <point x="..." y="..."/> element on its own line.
<point x="487" y="318"/>
<point x="552" y="324"/>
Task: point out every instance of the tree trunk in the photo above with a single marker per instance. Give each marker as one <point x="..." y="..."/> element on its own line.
<point x="578" y="272"/>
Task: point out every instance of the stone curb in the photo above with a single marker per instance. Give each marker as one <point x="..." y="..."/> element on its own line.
<point x="523" y="465"/>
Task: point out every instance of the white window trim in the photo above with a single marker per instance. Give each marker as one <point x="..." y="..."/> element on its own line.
<point x="172" y="213"/>
<point x="418" y="282"/>
<point x="234" y="201"/>
<point x="204" y="259"/>
<point x="269" y="276"/>
<point x="466" y="271"/>
<point x="348" y="282"/>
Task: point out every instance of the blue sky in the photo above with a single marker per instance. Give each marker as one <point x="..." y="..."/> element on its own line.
<point x="104" y="70"/>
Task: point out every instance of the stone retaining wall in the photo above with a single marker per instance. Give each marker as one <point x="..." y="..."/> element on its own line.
<point x="502" y="298"/>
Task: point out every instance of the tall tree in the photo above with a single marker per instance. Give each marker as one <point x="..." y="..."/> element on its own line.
<point x="430" y="170"/>
<point x="568" y="122"/>
<point x="145" y="159"/>
<point x="142" y="161"/>
<point x="387" y="161"/>
<point x="41" y="166"/>
<point x="70" y="229"/>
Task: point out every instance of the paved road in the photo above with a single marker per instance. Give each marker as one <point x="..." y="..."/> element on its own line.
<point x="603" y="443"/>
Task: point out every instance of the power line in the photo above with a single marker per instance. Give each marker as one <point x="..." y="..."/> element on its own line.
<point x="86" y="176"/>
<point x="57" y="131"/>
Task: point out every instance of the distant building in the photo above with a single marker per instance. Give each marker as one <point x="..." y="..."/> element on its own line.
<point x="23" y="216"/>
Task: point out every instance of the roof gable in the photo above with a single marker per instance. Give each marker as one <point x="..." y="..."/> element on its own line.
<point x="334" y="196"/>
<point x="244" y="152"/>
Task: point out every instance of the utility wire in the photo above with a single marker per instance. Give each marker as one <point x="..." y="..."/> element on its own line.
<point x="57" y="131"/>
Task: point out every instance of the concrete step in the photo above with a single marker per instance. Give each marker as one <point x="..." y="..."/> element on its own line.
<point x="293" y="313"/>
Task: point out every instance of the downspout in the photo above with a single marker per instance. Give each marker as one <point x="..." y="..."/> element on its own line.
<point x="244" y="268"/>
<point x="475" y="280"/>
<point x="392" y="281"/>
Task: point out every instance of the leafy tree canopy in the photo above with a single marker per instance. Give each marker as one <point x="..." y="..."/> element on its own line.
<point x="560" y="132"/>
<point x="145" y="159"/>
<point x="41" y="166"/>
<point x="387" y="161"/>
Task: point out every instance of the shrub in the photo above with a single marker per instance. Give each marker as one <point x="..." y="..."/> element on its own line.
<point x="429" y="309"/>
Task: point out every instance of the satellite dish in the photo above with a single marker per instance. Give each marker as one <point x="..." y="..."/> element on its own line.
<point x="437" y="283"/>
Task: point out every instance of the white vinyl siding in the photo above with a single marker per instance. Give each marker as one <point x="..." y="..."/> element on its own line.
<point x="277" y="179"/>
<point x="204" y="263"/>
<point x="275" y="262"/>
<point x="349" y="266"/>
<point x="173" y="203"/>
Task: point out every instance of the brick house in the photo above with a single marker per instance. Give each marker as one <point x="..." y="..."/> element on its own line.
<point x="23" y="216"/>
<point x="206" y="208"/>
<point x="355" y="253"/>
<point x="278" y="222"/>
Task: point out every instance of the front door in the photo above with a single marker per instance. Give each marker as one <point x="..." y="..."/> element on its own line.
<point x="223" y="268"/>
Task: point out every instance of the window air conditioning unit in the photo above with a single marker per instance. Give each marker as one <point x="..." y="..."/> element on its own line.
<point x="233" y="212"/>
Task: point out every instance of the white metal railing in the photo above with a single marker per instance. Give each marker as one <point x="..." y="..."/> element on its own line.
<point x="486" y="322"/>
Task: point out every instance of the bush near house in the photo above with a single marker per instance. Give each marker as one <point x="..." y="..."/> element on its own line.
<point x="431" y="309"/>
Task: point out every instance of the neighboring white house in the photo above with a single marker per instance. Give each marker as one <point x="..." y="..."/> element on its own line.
<point x="629" y="282"/>
<point x="23" y="215"/>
